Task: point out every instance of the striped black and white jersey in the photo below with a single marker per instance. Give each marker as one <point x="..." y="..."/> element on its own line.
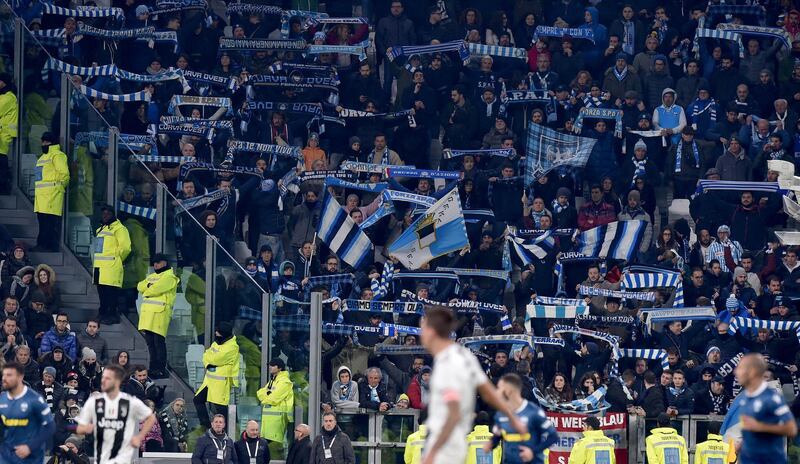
<point x="115" y="422"/>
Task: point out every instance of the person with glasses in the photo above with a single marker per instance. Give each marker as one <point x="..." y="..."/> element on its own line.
<point x="697" y="288"/>
<point x="300" y="449"/>
<point x="60" y="335"/>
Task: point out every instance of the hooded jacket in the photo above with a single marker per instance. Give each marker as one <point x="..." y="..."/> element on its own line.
<point x="50" y="291"/>
<point x="344" y="395"/>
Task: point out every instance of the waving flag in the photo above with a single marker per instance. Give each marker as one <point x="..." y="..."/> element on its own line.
<point x="548" y="149"/>
<point x="342" y="235"/>
<point x="439" y="231"/>
<point x="616" y="240"/>
<point x="527" y="250"/>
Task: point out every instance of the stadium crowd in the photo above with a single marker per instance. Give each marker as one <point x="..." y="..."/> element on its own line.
<point x="264" y="137"/>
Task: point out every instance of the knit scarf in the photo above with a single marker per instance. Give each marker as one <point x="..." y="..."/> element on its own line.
<point x="679" y="156"/>
<point x="536" y="216"/>
<point x="384" y="156"/>
<point x="710" y="104"/>
<point x="628" y="38"/>
<point x="640" y="169"/>
<point x="662" y="31"/>
<point x="716" y="402"/>
<point x="557" y="208"/>
<point x="621" y="75"/>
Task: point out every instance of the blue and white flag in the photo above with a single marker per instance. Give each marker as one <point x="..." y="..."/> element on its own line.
<point x="616" y="240"/>
<point x="538" y="311"/>
<point x="645" y="353"/>
<point x="439" y="231"/>
<point x="342" y="235"/>
<point x="133" y="210"/>
<point x="548" y="149"/>
<point x="529" y="250"/>
<point x="654" y="279"/>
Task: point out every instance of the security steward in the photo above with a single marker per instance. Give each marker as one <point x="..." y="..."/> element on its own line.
<point x="9" y="126"/>
<point x="277" y="403"/>
<point x="112" y="245"/>
<point x="221" y="361"/>
<point x="714" y="449"/>
<point x="158" y="295"/>
<point x="416" y="441"/>
<point x="52" y="178"/>
<point x="476" y="439"/>
<point x="665" y="445"/>
<point x="594" y="447"/>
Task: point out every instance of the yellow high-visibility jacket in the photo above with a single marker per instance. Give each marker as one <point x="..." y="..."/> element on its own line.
<point x="225" y="373"/>
<point x="158" y="295"/>
<point x="9" y="121"/>
<point x="52" y="177"/>
<point x="277" y="405"/>
<point x="713" y="448"/>
<point x="665" y="446"/>
<point x="112" y="245"/>
<point x="479" y="436"/>
<point x="414" y="444"/>
<point x="593" y="448"/>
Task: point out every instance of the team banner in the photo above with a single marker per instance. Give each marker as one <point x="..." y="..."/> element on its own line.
<point x="295" y="81"/>
<point x="467" y="306"/>
<point x="222" y="124"/>
<point x="548" y="149"/>
<point x="501" y="152"/>
<point x="243" y="8"/>
<point x="404" y="171"/>
<point x="371" y="168"/>
<point x="408" y="50"/>
<point x="400" y="307"/>
<point x="119" y="34"/>
<point x="573" y="32"/>
<point x="399" y="195"/>
<point x="210" y="79"/>
<point x="599" y="113"/>
<point x="570" y="429"/>
<point x="298" y="45"/>
<point x="374" y="188"/>
<point x="181" y="100"/>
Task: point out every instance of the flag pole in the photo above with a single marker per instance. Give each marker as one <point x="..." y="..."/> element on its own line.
<point x="313" y="248"/>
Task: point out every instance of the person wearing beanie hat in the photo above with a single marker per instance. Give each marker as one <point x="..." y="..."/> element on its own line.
<point x="701" y="114"/>
<point x="142" y="12"/>
<point x="633" y="211"/>
<point x="49" y="188"/>
<point x="686" y="159"/>
<point x="621" y="78"/>
<point x="158" y="291"/>
<point x="277" y="402"/>
<point x="9" y="120"/>
<point x="312" y="152"/>
<point x="565" y="215"/>
<point x="221" y="361"/>
<point x="728" y="252"/>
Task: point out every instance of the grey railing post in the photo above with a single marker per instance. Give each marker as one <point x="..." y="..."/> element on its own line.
<point x="315" y="363"/>
<point x="266" y="335"/>
<point x="161" y="218"/>
<point x="66" y="96"/>
<point x="19" y="80"/>
<point x="113" y="158"/>
<point x="211" y="256"/>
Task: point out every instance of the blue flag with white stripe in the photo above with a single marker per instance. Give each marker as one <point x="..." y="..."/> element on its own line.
<point x="529" y="250"/>
<point x="342" y="235"/>
<point x="616" y="240"/>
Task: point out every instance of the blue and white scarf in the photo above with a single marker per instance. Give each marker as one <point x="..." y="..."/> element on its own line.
<point x="86" y="71"/>
<point x="552" y="31"/>
<point x="229" y="83"/>
<point x="760" y="31"/>
<point x="83" y="11"/>
<point x="596" y="291"/>
<point x="404" y="171"/>
<point x="496" y="50"/>
<point x="226" y="43"/>
<point x="408" y="50"/>
<point x="181" y="100"/>
<point x="501" y="152"/>
<point x="356" y="49"/>
<point x="121" y="34"/>
<point x="314" y="109"/>
<point x="679" y="157"/>
<point x="141" y="211"/>
<point x="749" y="323"/>
<point x="128" y="97"/>
<point x="599" y="113"/>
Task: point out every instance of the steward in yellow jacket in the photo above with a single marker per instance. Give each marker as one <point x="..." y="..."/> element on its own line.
<point x="221" y="361"/>
<point x="664" y="445"/>
<point x="479" y="436"/>
<point x="277" y="402"/>
<point x="415" y="443"/>
<point x="714" y="449"/>
<point x="594" y="447"/>
<point x="112" y="245"/>
<point x="9" y="123"/>
<point x="158" y="295"/>
<point x="52" y="178"/>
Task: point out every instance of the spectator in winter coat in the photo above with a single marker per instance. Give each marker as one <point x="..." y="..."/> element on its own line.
<point x="701" y="114"/>
<point x="38" y="318"/>
<point x="656" y="83"/>
<point x="747" y="221"/>
<point x="565" y="216"/>
<point x="60" y="335"/>
<point x="685" y="163"/>
<point x="690" y="84"/>
<point x="22" y="286"/>
<point x="33" y="374"/>
<point x="460" y="121"/>
<point x="724" y="81"/>
<point x="142" y="386"/>
<point x="788" y="271"/>
<point x="603" y="160"/>
<point x="621" y="78"/>
<point x="639" y="165"/>
<point x="210" y="443"/>
<point x="393" y="30"/>
<point x="304" y="220"/>
<point x="734" y="163"/>
<point x="12" y="339"/>
<point x="251" y="448"/>
<point x="591" y="20"/>
<point x="595" y="212"/>
<point x="12" y="308"/>
<point x="90" y="371"/>
<point x="372" y="392"/>
<point x="300" y="449"/>
<point x="633" y="211"/>
<point x="651" y="403"/>
<point x="419" y="389"/>
<point x="630" y="31"/>
<point x="345" y="391"/>
<point x="12" y="263"/>
<point x="714" y="400"/>
<point x="680" y="398"/>
<point x="91" y="337"/>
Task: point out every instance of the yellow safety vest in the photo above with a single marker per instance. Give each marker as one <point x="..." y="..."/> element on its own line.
<point x="479" y="436"/>
<point x="52" y="177"/>
<point x="158" y="296"/>
<point x="665" y="446"/>
<point x="225" y="375"/>
<point x="593" y="448"/>
<point x="712" y="451"/>
<point x="414" y="445"/>
<point x="9" y="121"/>
<point x="277" y="404"/>
<point x="112" y="245"/>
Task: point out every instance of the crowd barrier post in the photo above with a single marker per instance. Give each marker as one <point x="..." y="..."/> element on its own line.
<point x="113" y="158"/>
<point x="19" y="80"/>
<point x="211" y="258"/>
<point x="315" y="363"/>
<point x="266" y="332"/>
<point x="161" y="217"/>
